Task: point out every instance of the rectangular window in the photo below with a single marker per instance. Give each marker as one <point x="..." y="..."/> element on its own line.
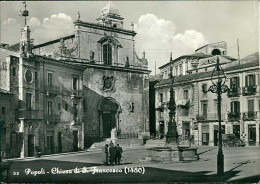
<point x="204" y="109"/>
<point x="75" y="111"/>
<point x="234" y="82"/>
<point x="176" y="70"/>
<point x="58" y="106"/>
<point x="14" y="140"/>
<point x="185" y="94"/>
<point x="250" y="80"/>
<point x="3" y="110"/>
<point x="180" y="69"/>
<point x="49" y="79"/>
<point x="66" y="107"/>
<point x="74" y="83"/>
<point x="28" y="101"/>
<point x="13" y="71"/>
<point x="160" y="97"/>
<point x="250" y="106"/>
<point x="235" y="107"/>
<point x="49" y="107"/>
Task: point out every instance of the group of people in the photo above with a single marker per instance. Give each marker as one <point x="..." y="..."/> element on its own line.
<point x="111" y="154"/>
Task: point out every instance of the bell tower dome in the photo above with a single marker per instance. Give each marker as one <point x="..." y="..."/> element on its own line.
<point x="110" y="16"/>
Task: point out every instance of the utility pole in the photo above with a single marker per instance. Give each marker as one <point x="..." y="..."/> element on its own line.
<point x="238" y="50"/>
<point x="155" y="69"/>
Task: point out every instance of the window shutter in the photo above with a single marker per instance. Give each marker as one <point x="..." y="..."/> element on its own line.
<point x="238" y="107"/>
<point x="253" y="80"/>
<point x="238" y="82"/>
<point x="231" y="83"/>
<point x="246" y="81"/>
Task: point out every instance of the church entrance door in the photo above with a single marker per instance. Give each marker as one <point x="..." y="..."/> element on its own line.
<point x="109" y="112"/>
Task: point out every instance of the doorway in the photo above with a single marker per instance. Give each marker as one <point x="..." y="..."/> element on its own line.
<point x="251" y="135"/>
<point x="109" y="113"/>
<point x="59" y="142"/>
<point x="50" y="144"/>
<point x="75" y="140"/>
<point x="30" y="145"/>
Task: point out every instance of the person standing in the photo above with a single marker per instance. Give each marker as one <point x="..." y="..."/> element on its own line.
<point x="105" y="154"/>
<point x="112" y="154"/>
<point x="119" y="152"/>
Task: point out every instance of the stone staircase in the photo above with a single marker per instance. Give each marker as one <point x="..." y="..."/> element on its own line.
<point x="155" y="143"/>
<point x="124" y="143"/>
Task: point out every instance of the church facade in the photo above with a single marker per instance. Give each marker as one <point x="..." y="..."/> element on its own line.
<point x="85" y="86"/>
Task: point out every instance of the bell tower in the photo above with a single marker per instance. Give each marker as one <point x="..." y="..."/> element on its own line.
<point x="25" y="41"/>
<point x="110" y="16"/>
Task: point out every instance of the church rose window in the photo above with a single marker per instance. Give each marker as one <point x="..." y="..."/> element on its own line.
<point x="107" y="54"/>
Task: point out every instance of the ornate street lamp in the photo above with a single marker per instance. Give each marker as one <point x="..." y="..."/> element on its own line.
<point x="218" y="87"/>
<point x="172" y="134"/>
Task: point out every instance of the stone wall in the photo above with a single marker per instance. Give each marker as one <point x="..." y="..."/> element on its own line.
<point x="130" y="87"/>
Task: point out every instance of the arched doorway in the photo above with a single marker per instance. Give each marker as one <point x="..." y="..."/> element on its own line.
<point x="109" y="110"/>
<point x="216" y="52"/>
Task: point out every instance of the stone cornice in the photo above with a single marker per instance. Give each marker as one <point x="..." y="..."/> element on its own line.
<point x="105" y="28"/>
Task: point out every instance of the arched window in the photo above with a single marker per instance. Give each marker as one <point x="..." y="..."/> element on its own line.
<point x="216" y="52"/>
<point x="107" y="54"/>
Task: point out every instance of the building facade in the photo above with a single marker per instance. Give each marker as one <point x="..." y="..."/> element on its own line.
<point x="196" y="113"/>
<point x="86" y="86"/>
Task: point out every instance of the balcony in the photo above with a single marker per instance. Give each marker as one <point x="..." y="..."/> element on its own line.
<point x="53" y="118"/>
<point x="232" y="116"/>
<point x="249" y="90"/>
<point x="77" y="94"/>
<point x="160" y="105"/>
<point x="234" y="92"/>
<point x="29" y="114"/>
<point x="201" y="118"/>
<point x="250" y="116"/>
<point x="52" y="90"/>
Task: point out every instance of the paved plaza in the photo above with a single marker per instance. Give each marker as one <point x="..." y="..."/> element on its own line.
<point x="241" y="165"/>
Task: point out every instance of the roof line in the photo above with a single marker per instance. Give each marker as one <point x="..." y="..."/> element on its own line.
<point x="53" y="41"/>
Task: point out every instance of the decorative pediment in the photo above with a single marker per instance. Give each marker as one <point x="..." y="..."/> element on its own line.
<point x="110" y="40"/>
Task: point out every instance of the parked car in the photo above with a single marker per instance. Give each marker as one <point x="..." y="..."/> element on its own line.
<point x="231" y="140"/>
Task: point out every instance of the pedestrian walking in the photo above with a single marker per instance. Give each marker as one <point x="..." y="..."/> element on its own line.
<point x="111" y="144"/>
<point x="112" y="154"/>
<point x="119" y="152"/>
<point x="105" y="154"/>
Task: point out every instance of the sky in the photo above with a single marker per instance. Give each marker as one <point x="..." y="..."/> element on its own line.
<point x="162" y="27"/>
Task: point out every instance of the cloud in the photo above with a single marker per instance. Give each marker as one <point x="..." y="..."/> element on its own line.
<point x="158" y="38"/>
<point x="54" y="27"/>
<point x="10" y="31"/>
<point x="34" y="22"/>
<point x="10" y="21"/>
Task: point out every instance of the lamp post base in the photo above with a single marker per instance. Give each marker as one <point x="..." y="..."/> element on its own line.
<point x="220" y="162"/>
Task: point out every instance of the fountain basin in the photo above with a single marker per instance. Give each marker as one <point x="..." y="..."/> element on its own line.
<point x="166" y="155"/>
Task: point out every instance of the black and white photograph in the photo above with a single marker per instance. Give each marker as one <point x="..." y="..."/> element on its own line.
<point x="130" y="91"/>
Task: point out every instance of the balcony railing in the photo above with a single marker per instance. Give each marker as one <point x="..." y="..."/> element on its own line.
<point x="251" y="115"/>
<point x="200" y="118"/>
<point x="53" y="118"/>
<point x="233" y="116"/>
<point x="52" y="90"/>
<point x="29" y="114"/>
<point x="234" y="92"/>
<point x="249" y="90"/>
<point x="160" y="105"/>
<point x="77" y="93"/>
